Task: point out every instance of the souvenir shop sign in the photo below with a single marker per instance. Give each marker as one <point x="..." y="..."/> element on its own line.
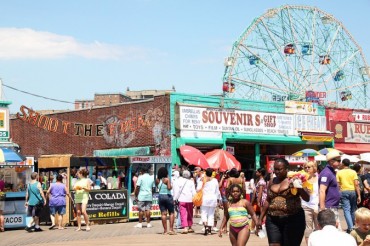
<point x="230" y="120"/>
<point x="106" y="204"/>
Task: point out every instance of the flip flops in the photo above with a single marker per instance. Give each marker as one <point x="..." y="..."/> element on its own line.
<point x="191" y="230"/>
<point x="171" y="233"/>
<point x="51" y="227"/>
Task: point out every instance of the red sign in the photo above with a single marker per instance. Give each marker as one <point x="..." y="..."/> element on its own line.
<point x="316" y="94"/>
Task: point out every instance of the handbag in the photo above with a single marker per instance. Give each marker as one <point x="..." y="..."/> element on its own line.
<point x="40" y="204"/>
<point x="198" y="197"/>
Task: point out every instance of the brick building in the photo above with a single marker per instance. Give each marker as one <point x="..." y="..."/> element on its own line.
<point x="80" y="132"/>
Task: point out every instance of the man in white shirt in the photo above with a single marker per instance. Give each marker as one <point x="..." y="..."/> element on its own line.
<point x="329" y="234"/>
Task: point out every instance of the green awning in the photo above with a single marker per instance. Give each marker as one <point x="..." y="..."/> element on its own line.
<point x="123" y="152"/>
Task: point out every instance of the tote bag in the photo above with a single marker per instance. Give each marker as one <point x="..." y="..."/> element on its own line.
<point x="198" y="197"/>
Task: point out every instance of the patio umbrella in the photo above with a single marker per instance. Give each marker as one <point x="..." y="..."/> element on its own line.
<point x="9" y="155"/>
<point x="194" y="157"/>
<point x="306" y="152"/>
<point x="324" y="151"/>
<point x="222" y="160"/>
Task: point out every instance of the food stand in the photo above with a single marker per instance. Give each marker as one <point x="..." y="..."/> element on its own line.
<point x="107" y="204"/>
<point x="16" y="175"/>
<point x="154" y="162"/>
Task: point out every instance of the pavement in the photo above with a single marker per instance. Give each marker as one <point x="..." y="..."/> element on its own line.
<point x="121" y="234"/>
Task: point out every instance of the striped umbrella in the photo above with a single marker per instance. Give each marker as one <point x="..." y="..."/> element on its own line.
<point x="306" y="152"/>
<point x="324" y="151"/>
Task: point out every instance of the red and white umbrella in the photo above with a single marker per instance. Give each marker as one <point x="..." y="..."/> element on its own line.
<point x="194" y="157"/>
<point x="222" y="160"/>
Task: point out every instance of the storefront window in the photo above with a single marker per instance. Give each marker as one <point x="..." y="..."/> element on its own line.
<point x="16" y="178"/>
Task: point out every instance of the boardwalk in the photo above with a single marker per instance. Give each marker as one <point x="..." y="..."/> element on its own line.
<point x="119" y="234"/>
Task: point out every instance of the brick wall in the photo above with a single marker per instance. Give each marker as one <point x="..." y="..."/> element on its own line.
<point x="81" y="132"/>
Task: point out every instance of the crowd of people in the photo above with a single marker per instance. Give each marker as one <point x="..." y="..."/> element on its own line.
<point x="288" y="208"/>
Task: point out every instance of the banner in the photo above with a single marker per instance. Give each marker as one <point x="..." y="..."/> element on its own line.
<point x="106" y="204"/>
<point x="238" y="121"/>
<point x="155" y="212"/>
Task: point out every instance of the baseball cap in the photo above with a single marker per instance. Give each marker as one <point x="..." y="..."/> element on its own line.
<point x="333" y="154"/>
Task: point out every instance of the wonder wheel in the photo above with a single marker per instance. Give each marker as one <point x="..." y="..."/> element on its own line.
<point x="298" y="53"/>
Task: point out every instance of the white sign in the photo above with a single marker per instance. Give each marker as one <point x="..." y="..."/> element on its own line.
<point x="359" y="117"/>
<point x="150" y="159"/>
<point x="296" y="159"/>
<point x="294" y="107"/>
<point x="14" y="219"/>
<point x="229" y="120"/>
<point x="310" y="123"/>
<point x="358" y="133"/>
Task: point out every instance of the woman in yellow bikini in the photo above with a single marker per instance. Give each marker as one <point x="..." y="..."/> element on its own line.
<point x="237" y="215"/>
<point x="82" y="188"/>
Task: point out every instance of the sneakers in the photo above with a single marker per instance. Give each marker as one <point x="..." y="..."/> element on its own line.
<point x="38" y="229"/>
<point x="29" y="229"/>
<point x="139" y="225"/>
<point x="149" y="225"/>
<point x="215" y="229"/>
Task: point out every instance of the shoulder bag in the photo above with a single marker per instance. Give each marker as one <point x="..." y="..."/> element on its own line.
<point x="198" y="197"/>
<point x="177" y="200"/>
<point x="40" y="204"/>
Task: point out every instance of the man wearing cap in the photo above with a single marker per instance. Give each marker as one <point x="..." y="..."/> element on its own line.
<point x="350" y="192"/>
<point x="329" y="194"/>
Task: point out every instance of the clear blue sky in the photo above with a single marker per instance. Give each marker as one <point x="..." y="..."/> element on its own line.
<point x="72" y="49"/>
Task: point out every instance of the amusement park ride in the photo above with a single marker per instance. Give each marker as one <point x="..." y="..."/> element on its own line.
<point x="292" y="50"/>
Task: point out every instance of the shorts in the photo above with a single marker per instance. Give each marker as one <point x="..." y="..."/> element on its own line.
<point x="165" y="202"/>
<point x="33" y="211"/>
<point x="58" y="209"/>
<point x="286" y="230"/>
<point x="144" y="205"/>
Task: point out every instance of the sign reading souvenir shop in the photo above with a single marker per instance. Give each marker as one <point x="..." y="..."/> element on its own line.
<point x="106" y="204"/>
<point x="229" y="120"/>
<point x="249" y="122"/>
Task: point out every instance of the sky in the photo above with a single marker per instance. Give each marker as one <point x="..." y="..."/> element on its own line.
<point x="69" y="50"/>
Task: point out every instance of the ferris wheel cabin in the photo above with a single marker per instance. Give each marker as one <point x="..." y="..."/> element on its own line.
<point x="254" y="60"/>
<point x="228" y="87"/>
<point x="324" y="60"/>
<point x="289" y="49"/>
<point x="306" y="49"/>
<point x="339" y="76"/>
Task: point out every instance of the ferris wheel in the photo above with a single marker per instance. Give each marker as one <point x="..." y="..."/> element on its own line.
<point x="298" y="53"/>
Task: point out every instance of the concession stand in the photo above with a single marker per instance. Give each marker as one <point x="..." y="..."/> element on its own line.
<point x="153" y="163"/>
<point x="108" y="204"/>
<point x="16" y="175"/>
